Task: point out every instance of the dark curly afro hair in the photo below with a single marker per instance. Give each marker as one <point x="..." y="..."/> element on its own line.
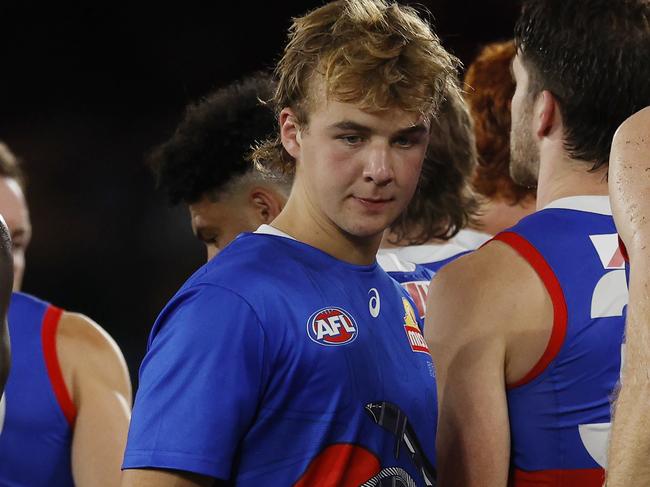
<point x="210" y="146"/>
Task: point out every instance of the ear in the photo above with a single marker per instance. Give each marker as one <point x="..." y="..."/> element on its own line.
<point x="290" y="132"/>
<point x="266" y="203"/>
<point x="546" y="108"/>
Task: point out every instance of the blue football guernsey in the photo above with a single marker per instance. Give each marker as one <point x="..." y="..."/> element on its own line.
<point x="277" y="364"/>
<point x="414" y="278"/>
<point x="36" y="433"/>
<point x="560" y="411"/>
<point x="415" y="275"/>
<point x="429" y="256"/>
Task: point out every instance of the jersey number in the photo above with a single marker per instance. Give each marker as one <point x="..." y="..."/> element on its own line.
<point x="608" y="300"/>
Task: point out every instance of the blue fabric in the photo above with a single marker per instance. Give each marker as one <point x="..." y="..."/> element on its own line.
<point x="35" y="438"/>
<point x="416" y="283"/>
<point x="437" y="265"/>
<point x="546" y="414"/>
<point x="273" y="358"/>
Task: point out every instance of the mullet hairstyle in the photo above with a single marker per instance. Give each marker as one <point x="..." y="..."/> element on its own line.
<point x="594" y="57"/>
<point x="375" y="54"/>
<point x="490" y="87"/>
<point x="444" y="202"/>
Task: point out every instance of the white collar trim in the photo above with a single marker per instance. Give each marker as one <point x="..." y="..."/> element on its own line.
<point x="265" y="229"/>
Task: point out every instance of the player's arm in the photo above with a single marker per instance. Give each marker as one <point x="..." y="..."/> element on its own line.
<point x="98" y="379"/>
<point x="472" y="306"/>
<point x="6" y="283"/>
<point x="630" y="441"/>
<point x="629" y="184"/>
<point x="166" y="478"/>
<point x="201" y="383"/>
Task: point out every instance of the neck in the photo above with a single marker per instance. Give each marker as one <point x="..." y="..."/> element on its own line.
<point x="300" y="220"/>
<point x="562" y="177"/>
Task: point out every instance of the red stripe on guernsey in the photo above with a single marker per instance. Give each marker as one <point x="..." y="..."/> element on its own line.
<point x="560" y="315"/>
<point x="623" y="250"/>
<point x="48" y="337"/>
<point x="588" y="477"/>
<point x="341" y="465"/>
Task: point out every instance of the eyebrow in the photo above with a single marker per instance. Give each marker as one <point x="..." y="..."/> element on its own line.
<point x="357" y="127"/>
<point x="418" y="128"/>
<point x="350" y="125"/>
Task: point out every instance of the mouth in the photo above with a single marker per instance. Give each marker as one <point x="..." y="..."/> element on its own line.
<point x="373" y="204"/>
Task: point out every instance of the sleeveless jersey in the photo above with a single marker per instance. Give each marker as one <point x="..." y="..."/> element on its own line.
<point x="414" y="278"/>
<point x="429" y="256"/>
<point x="277" y="364"/>
<point x="36" y="434"/>
<point x="414" y="267"/>
<point x="560" y="411"/>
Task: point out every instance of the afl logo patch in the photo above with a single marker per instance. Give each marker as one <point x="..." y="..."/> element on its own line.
<point x="331" y="327"/>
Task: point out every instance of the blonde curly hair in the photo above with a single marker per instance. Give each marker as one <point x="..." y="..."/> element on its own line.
<point x="376" y="54"/>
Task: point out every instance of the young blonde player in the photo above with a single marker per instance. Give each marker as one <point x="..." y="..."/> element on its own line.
<point x="291" y="358"/>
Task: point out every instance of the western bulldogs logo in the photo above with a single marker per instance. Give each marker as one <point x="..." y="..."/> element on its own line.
<point x="413" y="332"/>
<point x="332" y="326"/>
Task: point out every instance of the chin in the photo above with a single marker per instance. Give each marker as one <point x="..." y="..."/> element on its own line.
<point x="364" y="231"/>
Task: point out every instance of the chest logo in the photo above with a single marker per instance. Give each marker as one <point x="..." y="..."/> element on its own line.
<point x="332" y="327"/>
<point x="374" y="303"/>
<point x="413" y="332"/>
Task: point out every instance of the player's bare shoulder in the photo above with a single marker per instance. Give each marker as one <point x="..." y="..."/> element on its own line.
<point x="491" y="295"/>
<point x="629" y="182"/>
<point x="87" y="352"/>
<point x="494" y="277"/>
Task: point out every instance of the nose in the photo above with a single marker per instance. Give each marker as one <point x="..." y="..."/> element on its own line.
<point x="379" y="166"/>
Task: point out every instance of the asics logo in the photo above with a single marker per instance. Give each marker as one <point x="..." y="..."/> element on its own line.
<point x="374" y="305"/>
<point x="3" y="408"/>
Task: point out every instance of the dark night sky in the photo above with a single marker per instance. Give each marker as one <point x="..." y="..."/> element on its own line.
<point x="84" y="94"/>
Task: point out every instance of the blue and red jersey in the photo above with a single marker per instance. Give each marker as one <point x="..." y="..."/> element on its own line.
<point x="36" y="433"/>
<point x="414" y="267"/>
<point x="414" y="278"/>
<point x="560" y="411"/>
<point x="277" y="364"/>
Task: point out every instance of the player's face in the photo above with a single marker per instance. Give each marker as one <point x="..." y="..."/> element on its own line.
<point x="217" y="223"/>
<point x="524" y="153"/>
<point x="13" y="208"/>
<point x="358" y="170"/>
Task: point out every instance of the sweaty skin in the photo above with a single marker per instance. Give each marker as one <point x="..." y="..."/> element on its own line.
<point x="6" y="283"/>
<point x="629" y="184"/>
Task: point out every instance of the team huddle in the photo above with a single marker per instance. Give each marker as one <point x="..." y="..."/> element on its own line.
<point x="412" y="278"/>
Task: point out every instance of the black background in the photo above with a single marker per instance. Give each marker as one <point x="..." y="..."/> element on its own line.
<point x="86" y="91"/>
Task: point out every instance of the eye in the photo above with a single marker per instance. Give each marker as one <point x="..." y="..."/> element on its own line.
<point x="351" y="139"/>
<point x="409" y="140"/>
<point x="403" y="142"/>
